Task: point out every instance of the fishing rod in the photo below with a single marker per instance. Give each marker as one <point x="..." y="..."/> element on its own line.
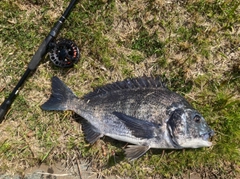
<point x="40" y="53"/>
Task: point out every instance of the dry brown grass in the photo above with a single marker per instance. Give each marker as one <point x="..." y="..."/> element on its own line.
<point x="199" y="58"/>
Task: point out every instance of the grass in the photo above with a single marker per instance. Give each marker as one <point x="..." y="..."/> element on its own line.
<point x="194" y="45"/>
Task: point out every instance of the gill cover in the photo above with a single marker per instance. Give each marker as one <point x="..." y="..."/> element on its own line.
<point x="188" y="129"/>
<point x="176" y="126"/>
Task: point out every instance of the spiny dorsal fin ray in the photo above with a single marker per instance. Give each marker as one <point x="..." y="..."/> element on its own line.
<point x="129" y="83"/>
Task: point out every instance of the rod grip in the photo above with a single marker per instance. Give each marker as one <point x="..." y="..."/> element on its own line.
<point x="42" y="50"/>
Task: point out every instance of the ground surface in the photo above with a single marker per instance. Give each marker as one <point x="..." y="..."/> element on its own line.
<point x="58" y="171"/>
<point x="81" y="171"/>
<point x="193" y="45"/>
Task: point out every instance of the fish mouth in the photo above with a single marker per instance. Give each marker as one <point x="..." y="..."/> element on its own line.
<point x="206" y="136"/>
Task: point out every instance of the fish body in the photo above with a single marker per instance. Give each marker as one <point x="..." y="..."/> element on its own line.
<point x="140" y="111"/>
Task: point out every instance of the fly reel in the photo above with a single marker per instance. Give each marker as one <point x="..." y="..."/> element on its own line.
<point x="64" y="53"/>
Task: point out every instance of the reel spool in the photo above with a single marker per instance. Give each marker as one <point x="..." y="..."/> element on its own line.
<point x="64" y="53"/>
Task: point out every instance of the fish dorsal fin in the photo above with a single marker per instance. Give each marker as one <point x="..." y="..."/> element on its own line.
<point x="129" y="83"/>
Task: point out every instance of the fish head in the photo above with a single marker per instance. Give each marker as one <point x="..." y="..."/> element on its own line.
<point x="188" y="129"/>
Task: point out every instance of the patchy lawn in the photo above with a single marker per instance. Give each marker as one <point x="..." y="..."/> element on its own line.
<point x="194" y="45"/>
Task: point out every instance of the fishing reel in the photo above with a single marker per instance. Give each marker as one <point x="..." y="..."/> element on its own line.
<point x="64" y="53"/>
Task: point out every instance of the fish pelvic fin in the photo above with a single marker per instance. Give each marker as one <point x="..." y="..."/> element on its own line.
<point x="133" y="152"/>
<point x="60" y="96"/>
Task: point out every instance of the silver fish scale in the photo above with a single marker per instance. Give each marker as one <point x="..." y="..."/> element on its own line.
<point x="149" y="102"/>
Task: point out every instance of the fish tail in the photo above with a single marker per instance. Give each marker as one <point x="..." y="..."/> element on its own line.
<point x="60" y="97"/>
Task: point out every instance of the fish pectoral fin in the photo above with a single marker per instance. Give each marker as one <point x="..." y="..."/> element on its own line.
<point x="138" y="127"/>
<point x="135" y="151"/>
<point x="92" y="134"/>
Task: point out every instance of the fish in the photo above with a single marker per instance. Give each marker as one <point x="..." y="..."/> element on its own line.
<point x="140" y="111"/>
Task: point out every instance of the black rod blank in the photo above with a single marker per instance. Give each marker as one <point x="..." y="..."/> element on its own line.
<point x="33" y="64"/>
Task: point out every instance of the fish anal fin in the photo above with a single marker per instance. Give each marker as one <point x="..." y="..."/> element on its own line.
<point x="91" y="133"/>
<point x="135" y="151"/>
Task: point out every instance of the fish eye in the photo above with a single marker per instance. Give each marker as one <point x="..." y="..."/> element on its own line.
<point x="197" y="119"/>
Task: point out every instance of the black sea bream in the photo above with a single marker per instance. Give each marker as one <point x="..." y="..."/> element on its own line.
<point x="140" y="111"/>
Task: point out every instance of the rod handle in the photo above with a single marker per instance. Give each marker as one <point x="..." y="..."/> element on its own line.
<point x="41" y="52"/>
